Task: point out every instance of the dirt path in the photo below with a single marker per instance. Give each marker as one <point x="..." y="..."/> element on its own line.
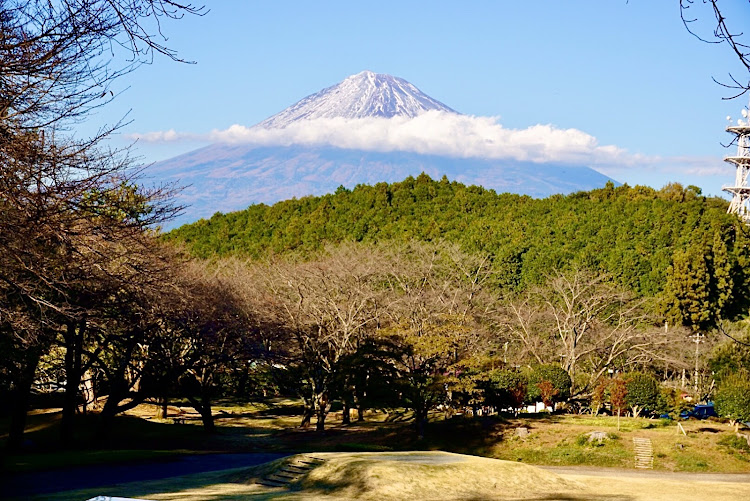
<point x="648" y="485"/>
<point x="84" y="477"/>
<point x="591" y="471"/>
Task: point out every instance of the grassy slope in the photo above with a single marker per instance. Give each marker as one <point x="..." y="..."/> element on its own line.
<point x="561" y="442"/>
<point x="367" y="476"/>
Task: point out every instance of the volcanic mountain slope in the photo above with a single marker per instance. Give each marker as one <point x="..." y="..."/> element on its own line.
<point x="363" y="95"/>
<point x="227" y="177"/>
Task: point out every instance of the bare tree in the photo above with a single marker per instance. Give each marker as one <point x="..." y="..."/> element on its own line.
<point x="59" y="59"/>
<point x="327" y="304"/>
<point x="70" y="214"/>
<point x="205" y="332"/>
<point x="436" y="319"/>
<point x="693" y="14"/>
<point x="585" y="323"/>
<point x="74" y="237"/>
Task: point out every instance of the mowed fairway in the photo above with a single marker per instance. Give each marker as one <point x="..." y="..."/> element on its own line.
<point x="428" y="476"/>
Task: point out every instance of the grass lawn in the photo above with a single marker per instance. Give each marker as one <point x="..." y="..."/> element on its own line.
<point x="272" y="426"/>
<point x="420" y="475"/>
<point x="561" y="440"/>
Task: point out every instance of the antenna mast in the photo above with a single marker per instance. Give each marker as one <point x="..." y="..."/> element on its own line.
<point x="740" y="191"/>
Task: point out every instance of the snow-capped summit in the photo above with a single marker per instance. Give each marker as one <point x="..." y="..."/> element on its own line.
<point x="363" y="95"/>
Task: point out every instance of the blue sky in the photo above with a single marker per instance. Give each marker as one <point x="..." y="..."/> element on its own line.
<point x="628" y="74"/>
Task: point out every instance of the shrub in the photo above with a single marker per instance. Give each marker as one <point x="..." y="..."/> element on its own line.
<point x="549" y="383"/>
<point x="735" y="442"/>
<point x="733" y="397"/>
<point x="643" y="392"/>
<point x="506" y="388"/>
<point x="599" y="395"/>
<point x="547" y="392"/>
<point x="618" y="393"/>
<point x="671" y="401"/>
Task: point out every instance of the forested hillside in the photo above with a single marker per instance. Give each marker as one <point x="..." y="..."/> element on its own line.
<point x="631" y="233"/>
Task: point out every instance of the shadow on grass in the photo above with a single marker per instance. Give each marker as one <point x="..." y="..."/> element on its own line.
<point x="467" y="435"/>
<point x="235" y="433"/>
<point x="246" y="427"/>
<point x="287" y="410"/>
<point x="709" y="429"/>
<point x="129" y="439"/>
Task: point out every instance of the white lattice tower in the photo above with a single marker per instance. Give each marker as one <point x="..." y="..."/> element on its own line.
<point x="740" y="191"/>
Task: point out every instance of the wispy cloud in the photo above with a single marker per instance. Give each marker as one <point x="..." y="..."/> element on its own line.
<point x="701" y="166"/>
<point x="166" y="136"/>
<point x="434" y="132"/>
<point x="676" y="167"/>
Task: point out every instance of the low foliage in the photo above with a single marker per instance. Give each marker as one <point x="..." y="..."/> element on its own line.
<point x="733" y="397"/>
<point x="642" y="392"/>
<point x="735" y="442"/>
<point x="506" y="388"/>
<point x="549" y="383"/>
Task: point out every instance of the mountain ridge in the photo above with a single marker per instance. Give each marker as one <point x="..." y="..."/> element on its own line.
<point x="226" y="178"/>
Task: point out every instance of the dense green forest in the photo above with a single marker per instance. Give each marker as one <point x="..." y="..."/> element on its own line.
<point x="631" y="233"/>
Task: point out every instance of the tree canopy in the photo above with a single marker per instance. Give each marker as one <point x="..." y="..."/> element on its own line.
<point x="671" y="241"/>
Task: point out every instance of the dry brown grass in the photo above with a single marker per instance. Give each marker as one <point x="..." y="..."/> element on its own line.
<point x="429" y="475"/>
<point x="425" y="476"/>
<point x="617" y="487"/>
<point x="552" y="441"/>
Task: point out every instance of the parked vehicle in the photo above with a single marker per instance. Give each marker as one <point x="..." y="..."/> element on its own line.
<point x="700" y="411"/>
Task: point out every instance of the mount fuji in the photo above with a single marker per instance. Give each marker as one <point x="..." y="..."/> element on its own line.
<point x="363" y="95"/>
<point x="335" y="137"/>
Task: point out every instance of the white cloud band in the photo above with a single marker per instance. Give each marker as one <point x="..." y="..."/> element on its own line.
<point x="434" y="132"/>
